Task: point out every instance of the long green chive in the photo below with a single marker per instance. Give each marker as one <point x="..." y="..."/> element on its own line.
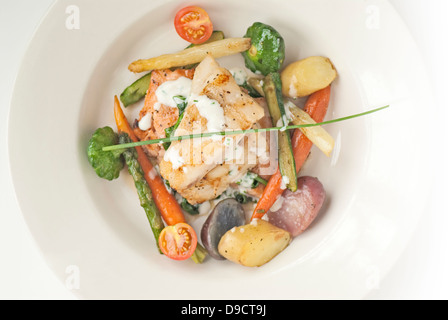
<point x="235" y="132"/>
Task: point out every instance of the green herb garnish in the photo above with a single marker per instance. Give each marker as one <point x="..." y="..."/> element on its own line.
<point x="235" y="132"/>
<point x="188" y="207"/>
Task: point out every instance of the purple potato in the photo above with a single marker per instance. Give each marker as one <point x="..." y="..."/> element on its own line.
<point x="227" y="214"/>
<point x="300" y="208"/>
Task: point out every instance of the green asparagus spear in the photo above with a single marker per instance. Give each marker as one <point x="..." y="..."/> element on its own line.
<point x="199" y="254"/>
<point x="143" y="190"/>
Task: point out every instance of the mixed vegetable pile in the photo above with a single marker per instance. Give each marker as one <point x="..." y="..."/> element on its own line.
<point x="282" y="204"/>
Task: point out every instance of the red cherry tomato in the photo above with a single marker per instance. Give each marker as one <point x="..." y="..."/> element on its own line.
<point x="178" y="242"/>
<point x="193" y="24"/>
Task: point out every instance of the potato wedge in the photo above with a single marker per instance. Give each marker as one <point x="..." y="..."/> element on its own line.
<point x="304" y="77"/>
<point x="217" y="49"/>
<point x="253" y="244"/>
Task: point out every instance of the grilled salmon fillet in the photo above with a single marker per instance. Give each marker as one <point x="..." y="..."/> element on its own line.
<point x="162" y="116"/>
<point x="201" y="169"/>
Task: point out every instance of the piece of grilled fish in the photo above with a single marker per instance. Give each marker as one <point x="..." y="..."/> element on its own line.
<point x="202" y="169"/>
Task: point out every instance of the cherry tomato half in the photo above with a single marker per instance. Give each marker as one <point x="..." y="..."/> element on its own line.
<point x="193" y="24"/>
<point x="178" y="242"/>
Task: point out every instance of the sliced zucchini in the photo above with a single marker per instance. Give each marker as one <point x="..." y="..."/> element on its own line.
<point x="272" y="88"/>
<point x="136" y="91"/>
<point x="216" y="35"/>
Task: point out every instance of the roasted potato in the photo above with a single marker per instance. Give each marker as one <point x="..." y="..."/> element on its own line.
<point x="304" y="77"/>
<point x="253" y="244"/>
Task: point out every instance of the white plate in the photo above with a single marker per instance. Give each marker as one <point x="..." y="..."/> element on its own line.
<point x="93" y="233"/>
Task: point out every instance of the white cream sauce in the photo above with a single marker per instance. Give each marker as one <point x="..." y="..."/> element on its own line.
<point x="145" y="122"/>
<point x="211" y="110"/>
<point x="285" y="182"/>
<point x="240" y="75"/>
<point x="172" y="155"/>
<point x="166" y="92"/>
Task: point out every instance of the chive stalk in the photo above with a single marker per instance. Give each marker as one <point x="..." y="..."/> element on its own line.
<point x="235" y="132"/>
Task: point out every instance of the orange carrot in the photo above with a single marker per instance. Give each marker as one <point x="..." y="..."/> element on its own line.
<point x="316" y="106"/>
<point x="166" y="203"/>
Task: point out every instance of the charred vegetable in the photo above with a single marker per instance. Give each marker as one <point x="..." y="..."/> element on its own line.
<point x="107" y="164"/>
<point x="226" y="215"/>
<point x="267" y="51"/>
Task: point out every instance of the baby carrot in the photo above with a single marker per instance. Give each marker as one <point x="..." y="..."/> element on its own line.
<point x="164" y="200"/>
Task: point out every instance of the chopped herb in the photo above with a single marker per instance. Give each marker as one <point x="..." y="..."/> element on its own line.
<point x="260" y="180"/>
<point x="191" y="209"/>
<point x="241" y="198"/>
<point x="182" y="103"/>
<point x="171" y="130"/>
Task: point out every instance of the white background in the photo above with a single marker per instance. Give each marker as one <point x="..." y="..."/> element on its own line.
<point x="421" y="272"/>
